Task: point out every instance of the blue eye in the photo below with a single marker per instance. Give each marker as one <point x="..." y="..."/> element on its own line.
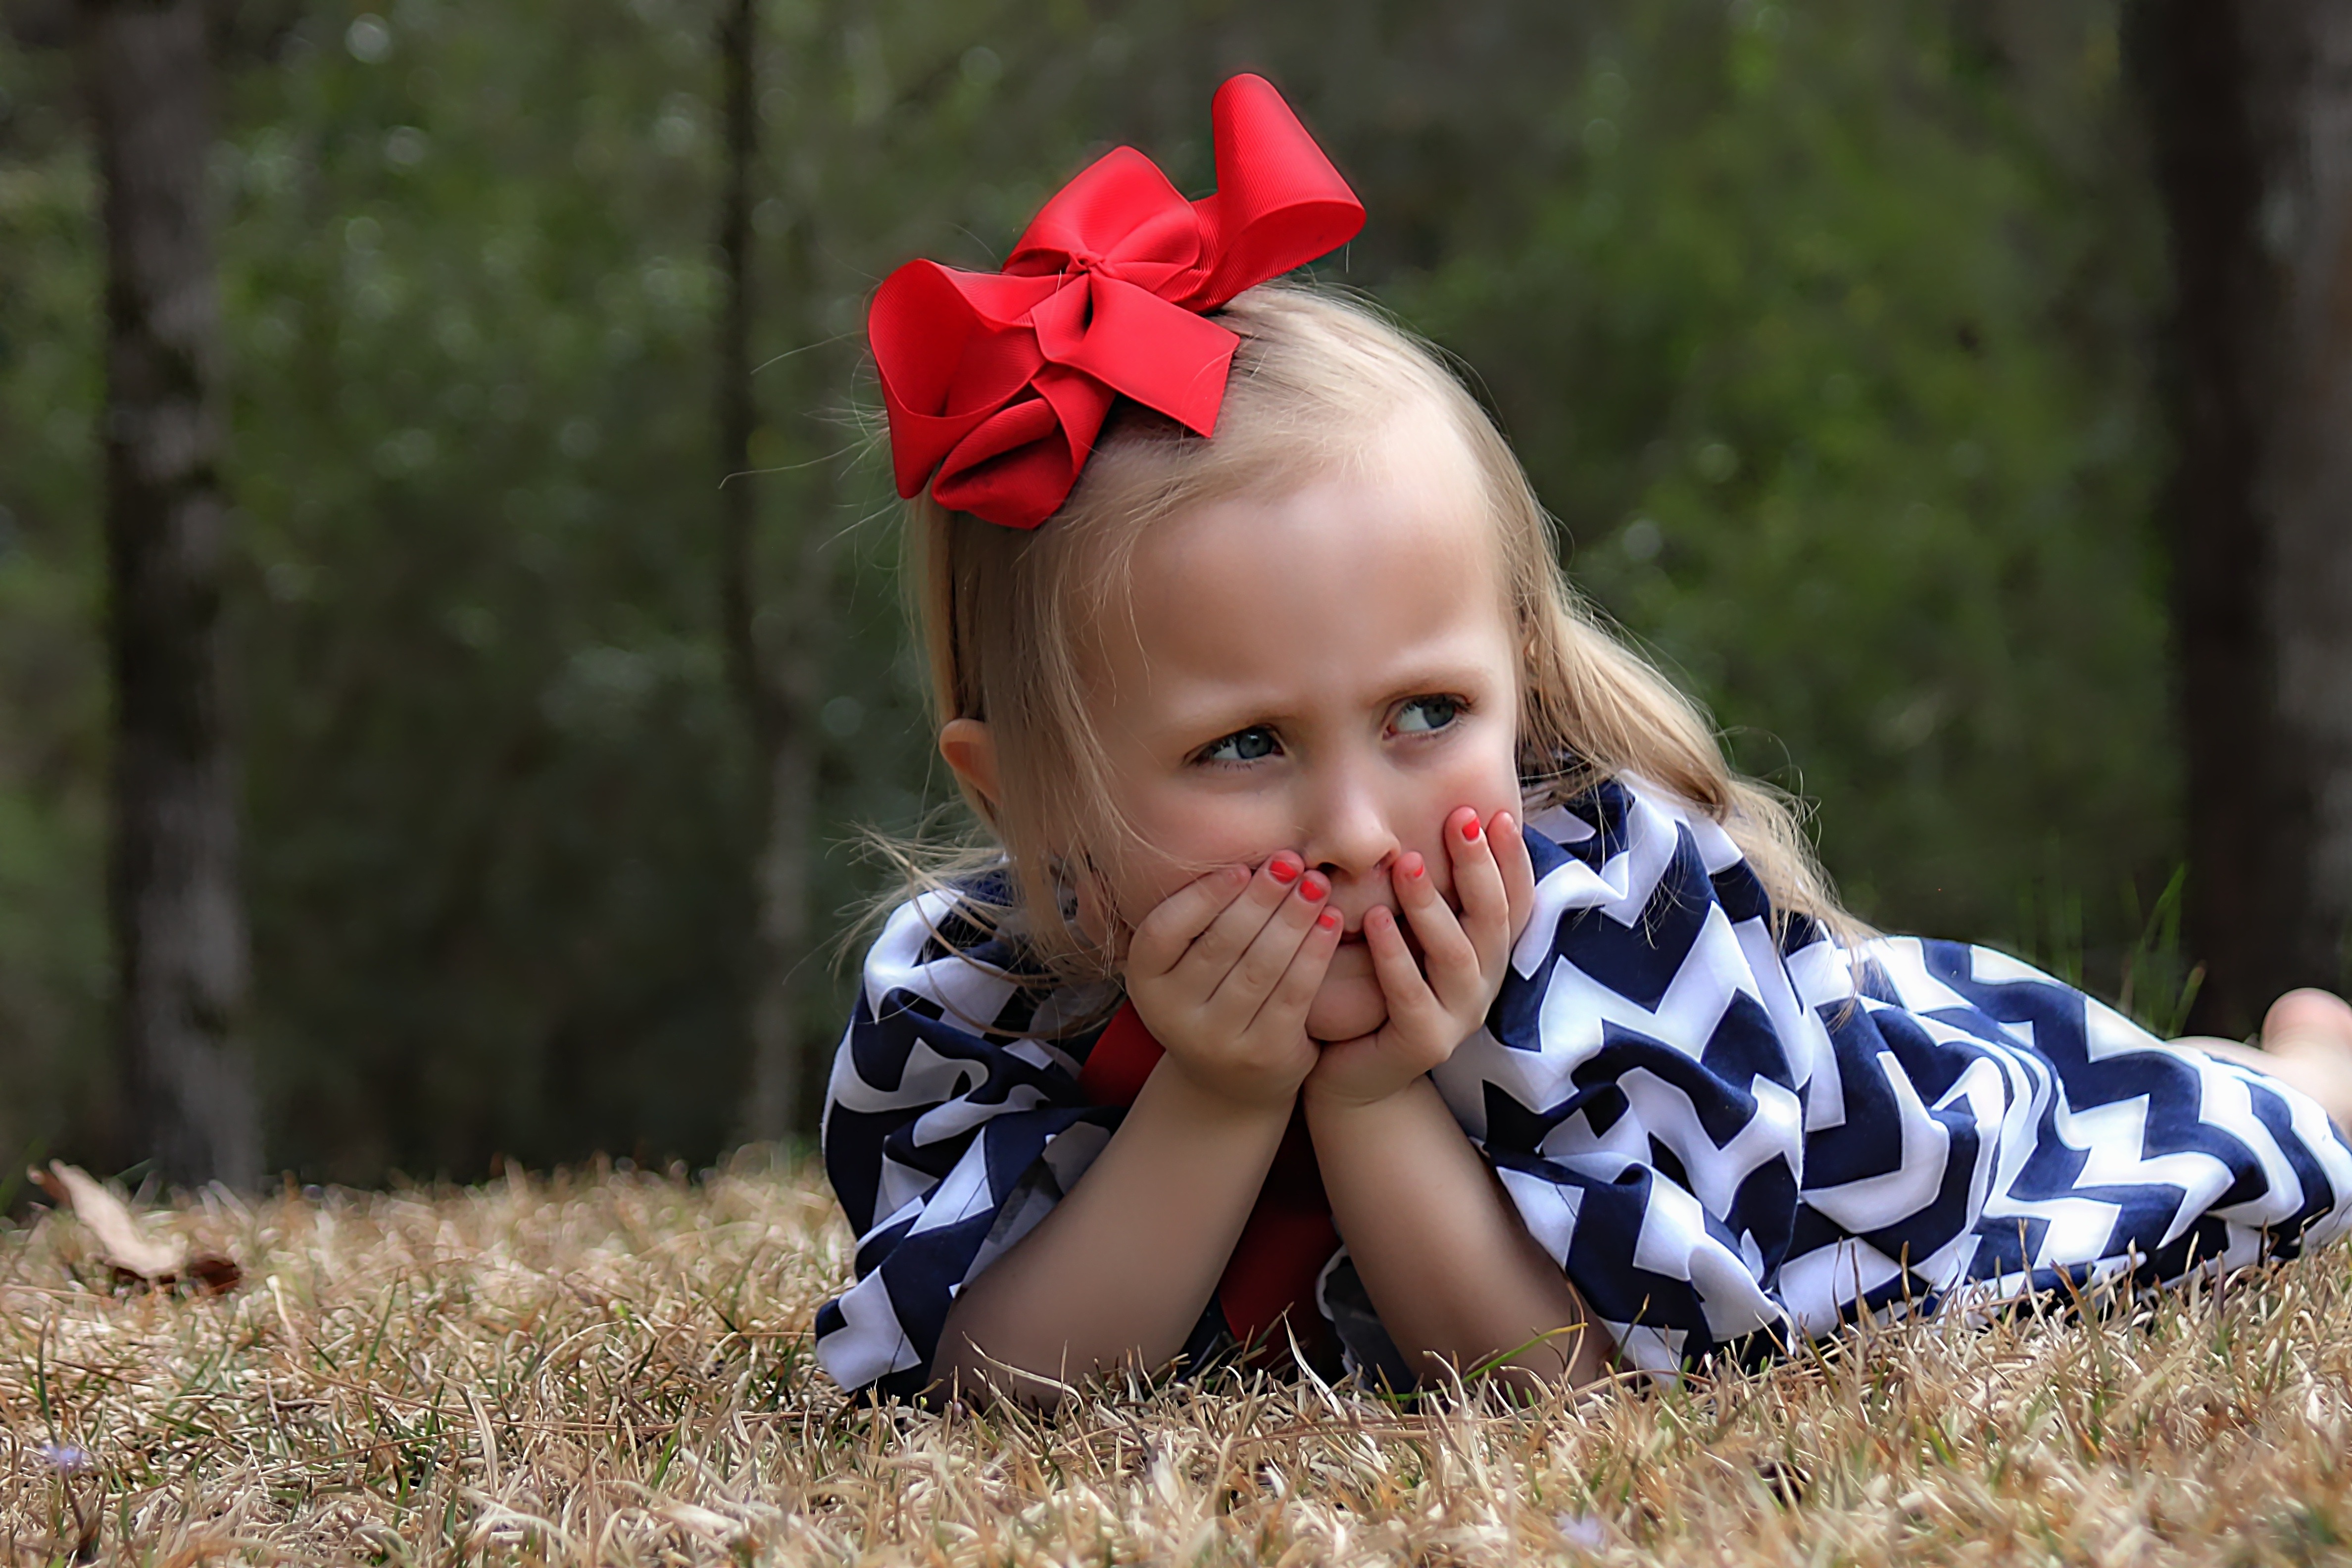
<point x="1422" y="715"/>
<point x="1241" y="746"/>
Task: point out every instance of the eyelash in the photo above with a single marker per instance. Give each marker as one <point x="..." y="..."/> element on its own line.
<point x="1207" y="755"/>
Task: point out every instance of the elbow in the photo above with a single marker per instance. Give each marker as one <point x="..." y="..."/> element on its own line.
<point x="982" y="1369"/>
<point x="1578" y="1354"/>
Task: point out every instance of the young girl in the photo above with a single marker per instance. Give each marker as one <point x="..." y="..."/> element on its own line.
<point x="1377" y="959"/>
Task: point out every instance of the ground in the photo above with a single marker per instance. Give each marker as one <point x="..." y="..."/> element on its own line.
<point x="614" y="1368"/>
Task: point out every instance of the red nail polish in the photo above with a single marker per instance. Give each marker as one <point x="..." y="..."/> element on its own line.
<point x="1315" y="889"/>
<point x="1415" y="866"/>
<point x="1283" y="869"/>
<point x="1470" y="831"/>
<point x="1328" y="920"/>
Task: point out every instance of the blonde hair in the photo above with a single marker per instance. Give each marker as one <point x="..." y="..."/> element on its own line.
<point x="1007" y="615"/>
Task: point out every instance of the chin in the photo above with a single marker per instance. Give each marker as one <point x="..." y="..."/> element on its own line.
<point x="1347" y="1006"/>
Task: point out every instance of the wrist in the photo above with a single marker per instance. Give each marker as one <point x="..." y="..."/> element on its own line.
<point x="1181" y="1093"/>
<point x="1328" y="1100"/>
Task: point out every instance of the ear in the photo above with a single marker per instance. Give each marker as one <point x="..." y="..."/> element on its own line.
<point x="970" y="750"/>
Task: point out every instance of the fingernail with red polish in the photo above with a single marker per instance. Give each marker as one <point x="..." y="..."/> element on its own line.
<point x="1470" y="831"/>
<point x="1315" y="889"/>
<point x="1328" y="920"/>
<point x="1283" y="869"/>
<point x="1415" y="866"/>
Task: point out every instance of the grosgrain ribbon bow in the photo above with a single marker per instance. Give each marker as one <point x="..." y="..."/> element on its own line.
<point x="998" y="383"/>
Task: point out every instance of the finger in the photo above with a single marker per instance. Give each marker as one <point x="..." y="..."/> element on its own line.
<point x="1167" y="933"/>
<point x="1261" y="965"/>
<point x="1285" y="1008"/>
<point x="1478" y="884"/>
<point x="1411" y="1003"/>
<point x="1450" y="957"/>
<point x="1518" y="868"/>
<point x="1229" y="932"/>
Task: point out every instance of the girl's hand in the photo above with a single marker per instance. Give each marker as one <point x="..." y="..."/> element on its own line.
<point x="1221" y="973"/>
<point x="1432" y="1013"/>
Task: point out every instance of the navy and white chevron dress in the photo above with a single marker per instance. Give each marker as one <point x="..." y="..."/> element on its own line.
<point x="1726" y="1136"/>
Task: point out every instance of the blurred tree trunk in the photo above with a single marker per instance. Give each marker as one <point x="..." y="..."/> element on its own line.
<point x="177" y="920"/>
<point x="2252" y="109"/>
<point x="776" y="676"/>
<point x="778" y="1023"/>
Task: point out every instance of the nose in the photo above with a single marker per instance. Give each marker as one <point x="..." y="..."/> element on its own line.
<point x="1348" y="833"/>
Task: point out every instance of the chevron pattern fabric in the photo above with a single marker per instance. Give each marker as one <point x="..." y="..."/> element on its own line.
<point x="953" y="1122"/>
<point x="1730" y="1131"/>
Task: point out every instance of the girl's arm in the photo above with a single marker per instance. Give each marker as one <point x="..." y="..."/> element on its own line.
<point x="1121" y="1269"/>
<point x="1449" y="1265"/>
<point x="1222" y="973"/>
<point x="1455" y="1277"/>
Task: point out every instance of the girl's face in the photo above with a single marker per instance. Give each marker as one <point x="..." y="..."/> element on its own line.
<point x="1331" y="671"/>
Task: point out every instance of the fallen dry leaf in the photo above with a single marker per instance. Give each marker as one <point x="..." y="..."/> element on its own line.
<point x="123" y="1244"/>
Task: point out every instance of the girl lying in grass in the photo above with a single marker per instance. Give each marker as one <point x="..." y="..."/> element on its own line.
<point x="1376" y="958"/>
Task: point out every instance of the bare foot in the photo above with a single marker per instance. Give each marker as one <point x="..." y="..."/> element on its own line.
<point x="2306" y="1041"/>
<point x="2309" y="1023"/>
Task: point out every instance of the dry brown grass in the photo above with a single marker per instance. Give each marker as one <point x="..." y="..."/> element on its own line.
<point x="614" y="1369"/>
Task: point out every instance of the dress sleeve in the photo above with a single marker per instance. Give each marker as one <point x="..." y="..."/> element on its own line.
<point x="953" y="1125"/>
<point x="1640" y="1085"/>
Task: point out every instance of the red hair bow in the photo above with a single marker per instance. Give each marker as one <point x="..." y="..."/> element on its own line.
<point x="998" y="383"/>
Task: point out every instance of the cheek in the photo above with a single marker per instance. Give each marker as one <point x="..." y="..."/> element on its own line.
<point x="1487" y="783"/>
<point x="1182" y="839"/>
<point x="1497" y="785"/>
<point x="1147" y="877"/>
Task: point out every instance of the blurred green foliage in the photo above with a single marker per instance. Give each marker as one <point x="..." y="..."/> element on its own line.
<point x="1820" y="326"/>
<point x="1830" y="358"/>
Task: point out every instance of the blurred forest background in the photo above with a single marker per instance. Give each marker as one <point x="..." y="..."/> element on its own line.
<point x="1825" y="329"/>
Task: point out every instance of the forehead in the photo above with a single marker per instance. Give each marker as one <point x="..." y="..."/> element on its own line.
<point x="1347" y="580"/>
